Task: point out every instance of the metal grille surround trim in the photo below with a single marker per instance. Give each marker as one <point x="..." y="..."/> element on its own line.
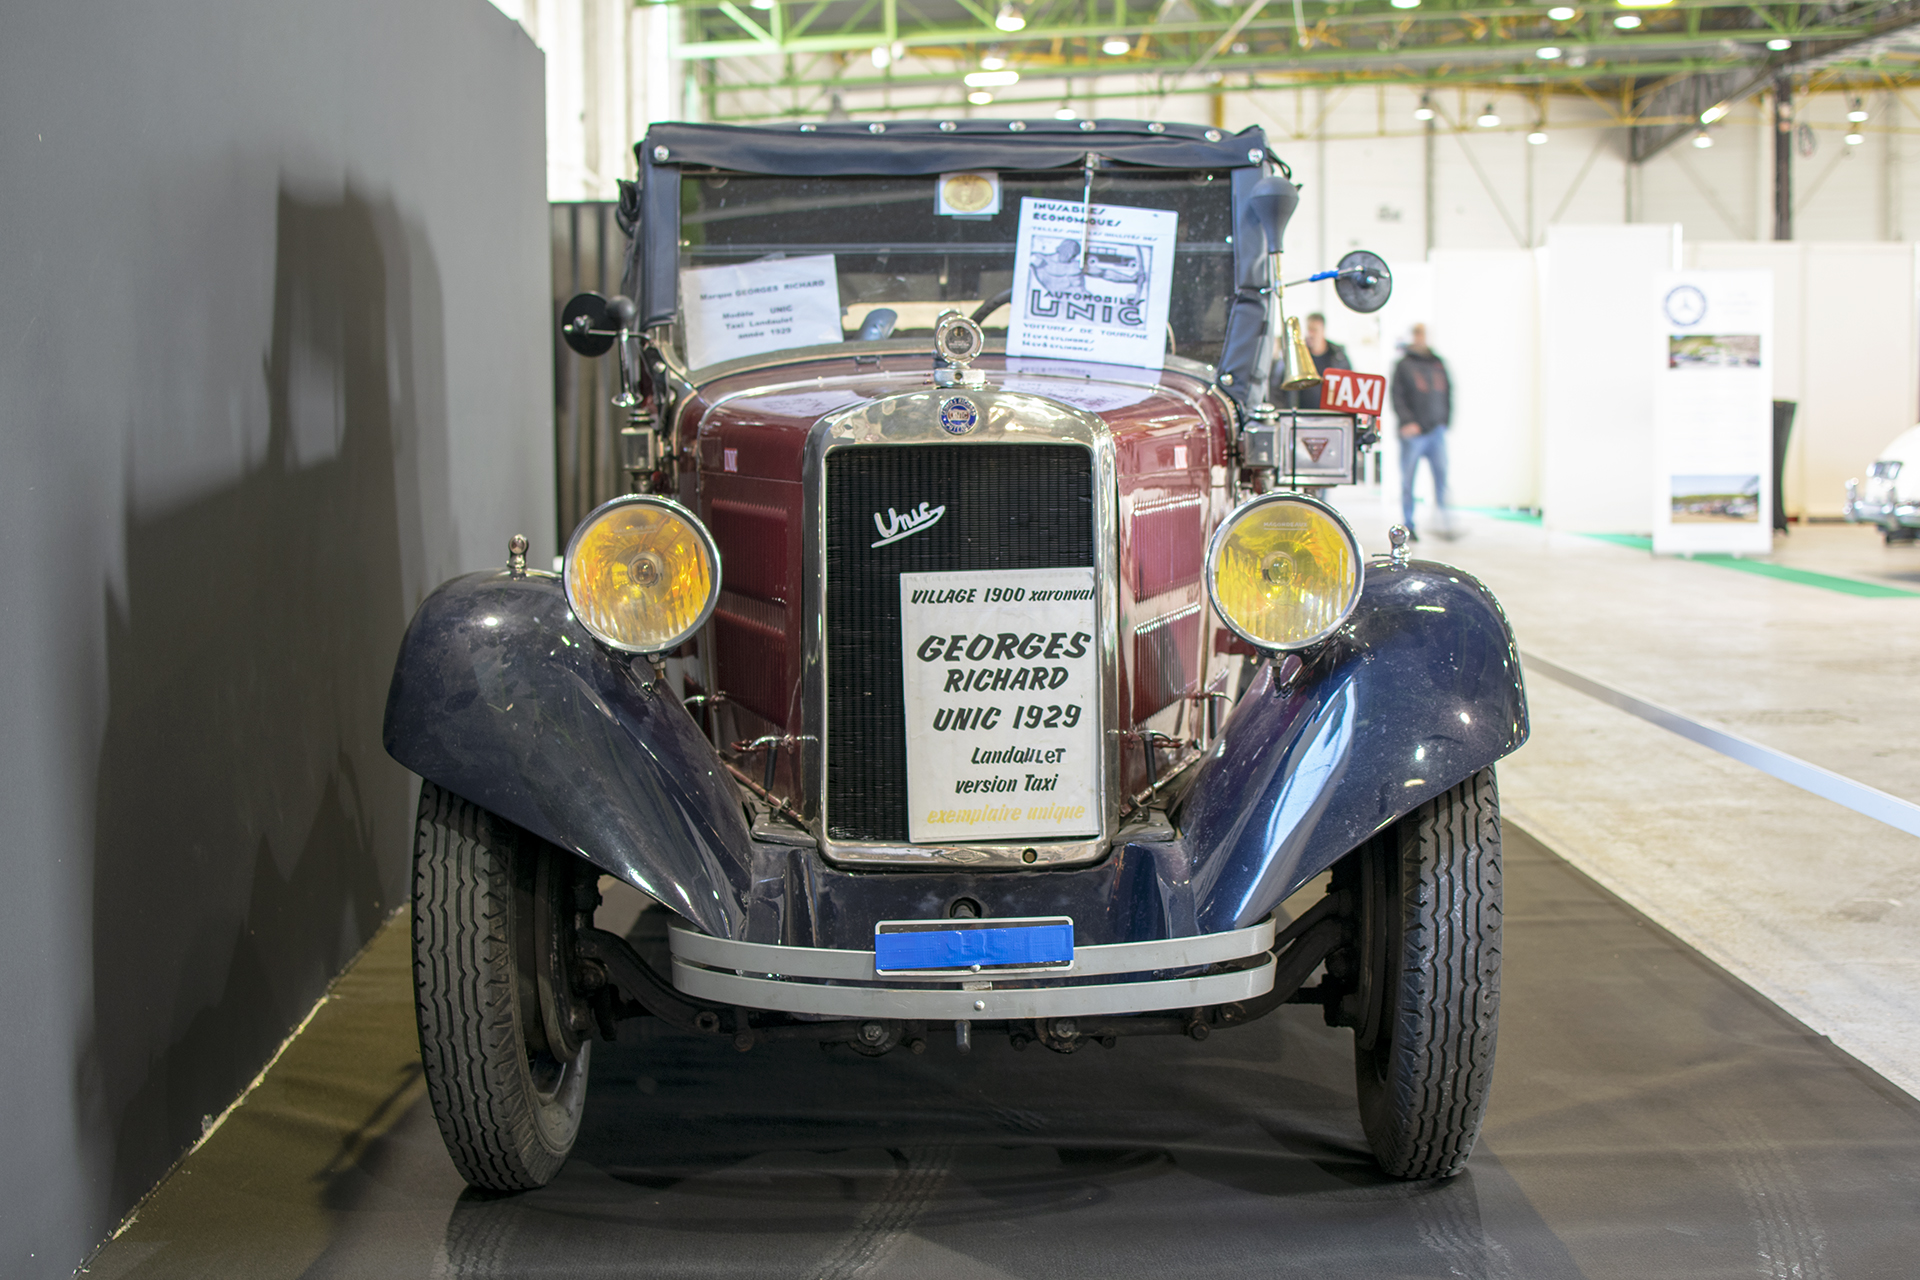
<point x="1005" y="417"/>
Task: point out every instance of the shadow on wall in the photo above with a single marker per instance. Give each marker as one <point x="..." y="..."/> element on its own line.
<point x="250" y="832"/>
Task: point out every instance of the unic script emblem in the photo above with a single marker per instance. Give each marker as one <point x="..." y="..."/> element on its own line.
<point x="894" y="526"/>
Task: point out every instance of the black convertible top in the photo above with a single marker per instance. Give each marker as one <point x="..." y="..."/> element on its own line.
<point x="904" y="148"/>
<point x="910" y="148"/>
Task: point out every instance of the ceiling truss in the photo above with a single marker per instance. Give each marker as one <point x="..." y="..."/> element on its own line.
<point x="794" y="58"/>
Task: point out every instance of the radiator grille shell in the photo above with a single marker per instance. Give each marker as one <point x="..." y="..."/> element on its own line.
<point x="1008" y="506"/>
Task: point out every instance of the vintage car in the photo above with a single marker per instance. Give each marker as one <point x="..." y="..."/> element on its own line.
<point x="974" y="656"/>
<point x="1892" y="499"/>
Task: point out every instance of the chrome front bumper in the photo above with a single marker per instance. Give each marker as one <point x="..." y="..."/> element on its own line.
<point x="845" y="984"/>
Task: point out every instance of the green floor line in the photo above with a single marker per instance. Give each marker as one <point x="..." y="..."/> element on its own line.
<point x="1515" y="514"/>
<point x="1808" y="578"/>
<point x="1763" y="568"/>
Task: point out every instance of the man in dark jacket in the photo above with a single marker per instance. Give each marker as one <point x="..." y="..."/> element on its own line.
<point x="1423" y="402"/>
<point x="1326" y="355"/>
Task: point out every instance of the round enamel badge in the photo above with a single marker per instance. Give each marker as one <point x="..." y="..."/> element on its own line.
<point x="958" y="415"/>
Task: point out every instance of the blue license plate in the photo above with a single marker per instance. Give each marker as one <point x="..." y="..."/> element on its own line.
<point x="970" y="945"/>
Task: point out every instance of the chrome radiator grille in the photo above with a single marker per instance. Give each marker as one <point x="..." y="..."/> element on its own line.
<point x="1008" y="506"/>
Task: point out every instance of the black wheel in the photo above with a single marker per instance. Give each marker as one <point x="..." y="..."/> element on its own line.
<point x="1426" y="1004"/>
<point x="500" y="1029"/>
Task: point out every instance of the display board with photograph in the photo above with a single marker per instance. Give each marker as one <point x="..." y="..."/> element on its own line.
<point x="1713" y="413"/>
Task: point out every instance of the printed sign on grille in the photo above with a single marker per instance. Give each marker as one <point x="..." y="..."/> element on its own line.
<point x="1001" y="696"/>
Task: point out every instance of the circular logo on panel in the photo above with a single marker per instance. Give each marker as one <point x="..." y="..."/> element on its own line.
<point x="958" y="415"/>
<point x="1686" y="305"/>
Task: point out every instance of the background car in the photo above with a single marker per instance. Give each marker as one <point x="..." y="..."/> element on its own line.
<point x="1892" y="497"/>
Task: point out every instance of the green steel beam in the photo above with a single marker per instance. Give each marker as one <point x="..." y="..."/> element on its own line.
<point x="1424" y="47"/>
<point x="1126" y="22"/>
<point x="1566" y="81"/>
<point x="861" y="41"/>
<point x="1491" y="60"/>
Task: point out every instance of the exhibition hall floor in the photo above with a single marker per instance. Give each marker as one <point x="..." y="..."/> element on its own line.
<point x="1651" y="1117"/>
<point x="1708" y="1061"/>
<point x="1814" y="904"/>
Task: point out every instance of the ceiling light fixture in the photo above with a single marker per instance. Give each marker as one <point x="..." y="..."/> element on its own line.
<point x="1561" y="14"/>
<point x="1010" y="18"/>
<point x="1855" y="138"/>
<point x="763" y="5"/>
<point x="1703" y="139"/>
<point x="1547" y="52"/>
<point x="1489" y="119"/>
<point x="1779" y="44"/>
<point x="979" y="97"/>
<point x="1859" y="113"/>
<point x="1538" y="137"/>
<point x="1425" y="110"/>
<point x="1718" y="111"/>
<point x="992" y="62"/>
<point x="1406" y="4"/>
<point x="992" y="79"/>
<point x="1627" y="21"/>
<point x="882" y="57"/>
<point x="1116" y="46"/>
<point x="1066" y="113"/>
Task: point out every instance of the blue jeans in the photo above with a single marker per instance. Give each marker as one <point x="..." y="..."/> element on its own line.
<point x="1433" y="447"/>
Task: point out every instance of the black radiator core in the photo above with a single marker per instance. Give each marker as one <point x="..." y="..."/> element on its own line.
<point x="1008" y="506"/>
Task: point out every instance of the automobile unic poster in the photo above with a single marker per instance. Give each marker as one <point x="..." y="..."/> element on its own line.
<point x="1002" y="704"/>
<point x="1092" y="282"/>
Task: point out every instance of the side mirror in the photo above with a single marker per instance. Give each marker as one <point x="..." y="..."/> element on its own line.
<point x="1364" y="282"/>
<point x="591" y="324"/>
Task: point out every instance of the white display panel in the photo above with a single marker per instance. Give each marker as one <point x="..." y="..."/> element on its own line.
<point x="1713" y="412"/>
<point x="1846" y="349"/>
<point x="1601" y="354"/>
<point x="1092" y="282"/>
<point x="1002" y="704"/>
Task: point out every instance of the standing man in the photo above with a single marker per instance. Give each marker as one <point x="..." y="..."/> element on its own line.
<point x="1326" y="355"/>
<point x="1423" y="402"/>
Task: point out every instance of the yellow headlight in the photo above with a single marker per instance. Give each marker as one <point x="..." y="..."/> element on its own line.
<point x="642" y="574"/>
<point x="1284" y="571"/>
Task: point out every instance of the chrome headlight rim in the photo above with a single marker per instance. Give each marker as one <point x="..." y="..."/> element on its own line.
<point x="707" y="545"/>
<point x="1217" y="542"/>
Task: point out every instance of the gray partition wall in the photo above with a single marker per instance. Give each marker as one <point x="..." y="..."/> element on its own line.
<point x="274" y="362"/>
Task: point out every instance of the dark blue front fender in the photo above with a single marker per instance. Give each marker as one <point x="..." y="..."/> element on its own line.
<point x="1419" y="691"/>
<point x="501" y="697"/>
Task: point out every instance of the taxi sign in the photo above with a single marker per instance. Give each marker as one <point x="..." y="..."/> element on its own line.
<point x="1350" y="392"/>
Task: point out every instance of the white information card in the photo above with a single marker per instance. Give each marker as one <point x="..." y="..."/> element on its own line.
<point x="759" y="306"/>
<point x="1092" y="282"/>
<point x="1713" y="413"/>
<point x="1002" y="705"/>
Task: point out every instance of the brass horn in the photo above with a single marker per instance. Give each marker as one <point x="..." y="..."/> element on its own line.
<point x="1297" y="369"/>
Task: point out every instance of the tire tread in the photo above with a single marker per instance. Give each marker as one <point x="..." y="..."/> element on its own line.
<point x="1424" y="1103"/>
<point x="476" y="1074"/>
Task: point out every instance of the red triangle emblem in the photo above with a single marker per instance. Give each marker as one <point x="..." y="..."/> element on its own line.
<point x="1316" y="445"/>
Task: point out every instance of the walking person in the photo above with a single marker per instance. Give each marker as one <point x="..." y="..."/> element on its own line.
<point x="1423" y="402"/>
<point x="1326" y="355"/>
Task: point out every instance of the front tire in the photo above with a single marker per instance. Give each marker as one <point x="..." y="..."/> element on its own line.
<point x="1428" y="947"/>
<point x="506" y="1070"/>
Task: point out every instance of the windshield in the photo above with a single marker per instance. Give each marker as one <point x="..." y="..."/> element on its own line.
<point x="920" y="246"/>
